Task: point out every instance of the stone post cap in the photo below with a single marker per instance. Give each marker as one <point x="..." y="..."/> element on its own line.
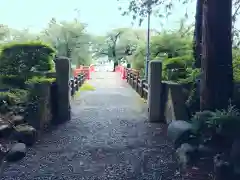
<point x="155" y="61"/>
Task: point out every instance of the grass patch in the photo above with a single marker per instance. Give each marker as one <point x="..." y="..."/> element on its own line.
<point x="143" y="100"/>
<point x="84" y="87"/>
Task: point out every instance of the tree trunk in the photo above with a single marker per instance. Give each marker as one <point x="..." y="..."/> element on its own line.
<point x="217" y="72"/>
<point x="114" y="66"/>
<point x="197" y="39"/>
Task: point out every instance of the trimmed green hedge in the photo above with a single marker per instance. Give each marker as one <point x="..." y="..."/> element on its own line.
<point x="176" y="68"/>
<point x="21" y="59"/>
<point x="13" y="80"/>
<point x="178" y="62"/>
<point x="236" y="69"/>
<point x="39" y="80"/>
<point x="14" y="96"/>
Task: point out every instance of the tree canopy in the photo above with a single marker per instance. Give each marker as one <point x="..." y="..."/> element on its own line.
<point x="69" y="38"/>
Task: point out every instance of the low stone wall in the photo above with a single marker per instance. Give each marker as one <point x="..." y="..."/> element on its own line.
<point x="54" y="102"/>
<point x="39" y="112"/>
<point x="49" y="103"/>
<point x="174" y="96"/>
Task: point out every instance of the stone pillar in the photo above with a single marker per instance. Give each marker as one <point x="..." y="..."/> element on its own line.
<point x="141" y="92"/>
<point x="154" y="91"/>
<point x="39" y="113"/>
<point x="62" y="74"/>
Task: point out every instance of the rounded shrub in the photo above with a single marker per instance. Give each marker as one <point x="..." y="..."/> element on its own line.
<point x="176" y="68"/>
<point x="13" y="80"/>
<point x="21" y="59"/>
<point x="14" y="96"/>
<point x="236" y="69"/>
<point x="178" y="62"/>
<point x="39" y="80"/>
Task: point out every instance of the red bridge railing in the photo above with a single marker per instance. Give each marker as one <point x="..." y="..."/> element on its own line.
<point x="133" y="78"/>
<point x="84" y="70"/>
<point x="122" y="70"/>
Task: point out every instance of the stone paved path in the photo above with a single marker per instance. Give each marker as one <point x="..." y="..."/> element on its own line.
<point x="108" y="138"/>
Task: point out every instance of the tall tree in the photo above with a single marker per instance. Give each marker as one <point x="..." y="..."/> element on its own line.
<point x="112" y="39"/>
<point x="118" y="44"/>
<point x="216" y="60"/>
<point x="4" y="31"/>
<point x="70" y="39"/>
<point x="197" y="39"/>
<point x="107" y="46"/>
<point x="217" y="77"/>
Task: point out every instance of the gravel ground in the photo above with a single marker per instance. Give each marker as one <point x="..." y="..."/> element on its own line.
<point x="108" y="138"/>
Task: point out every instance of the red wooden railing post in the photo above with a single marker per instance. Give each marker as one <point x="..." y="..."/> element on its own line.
<point x="123" y="73"/>
<point x="83" y="69"/>
<point x="117" y="69"/>
<point x="91" y="67"/>
<point x="89" y="72"/>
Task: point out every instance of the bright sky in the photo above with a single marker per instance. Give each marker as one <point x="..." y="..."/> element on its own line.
<point x="101" y="16"/>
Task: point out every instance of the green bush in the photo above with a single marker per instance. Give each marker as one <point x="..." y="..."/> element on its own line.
<point x="12" y="80"/>
<point x="176" y="68"/>
<point x="172" y="44"/>
<point x="224" y="123"/>
<point x="21" y="59"/>
<point x="138" y="58"/>
<point x="192" y="75"/>
<point x="178" y="62"/>
<point x="236" y="69"/>
<point x="14" y="96"/>
<point x="39" y="80"/>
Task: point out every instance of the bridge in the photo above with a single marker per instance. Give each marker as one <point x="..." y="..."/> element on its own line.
<point x="108" y="137"/>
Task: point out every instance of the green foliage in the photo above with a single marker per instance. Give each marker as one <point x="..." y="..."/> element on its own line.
<point x="14" y="96"/>
<point x="178" y="62"/>
<point x="39" y="80"/>
<point x="12" y="80"/>
<point x="177" y="68"/>
<point x="193" y="101"/>
<point x="172" y="44"/>
<point x="70" y="39"/>
<point x="87" y="87"/>
<point x="139" y="9"/>
<point x="221" y="122"/>
<point x="174" y="50"/>
<point x="236" y="66"/>
<point x="200" y="120"/>
<point x="4" y="31"/>
<point x="138" y="58"/>
<point x="21" y="59"/>
<point x="192" y="75"/>
<point x="119" y="44"/>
